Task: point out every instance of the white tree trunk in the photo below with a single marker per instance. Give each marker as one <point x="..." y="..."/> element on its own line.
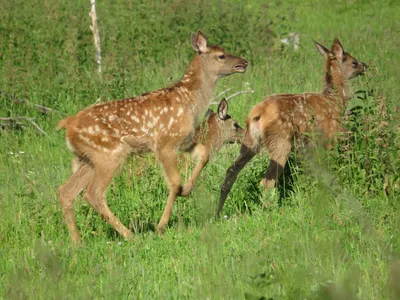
<point x="96" y="34"/>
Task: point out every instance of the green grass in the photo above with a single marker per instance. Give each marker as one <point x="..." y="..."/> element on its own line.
<point x="332" y="233"/>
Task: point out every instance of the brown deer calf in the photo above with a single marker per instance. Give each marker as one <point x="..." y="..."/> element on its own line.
<point x="217" y="129"/>
<point x="163" y="122"/>
<point x="280" y="120"/>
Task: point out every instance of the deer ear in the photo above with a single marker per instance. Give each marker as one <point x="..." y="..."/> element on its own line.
<point x="321" y="49"/>
<point x="337" y="49"/>
<point x="199" y="42"/>
<point x="209" y="113"/>
<point x="223" y="109"/>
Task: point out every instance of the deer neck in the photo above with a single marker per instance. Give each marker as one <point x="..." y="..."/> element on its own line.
<point x="335" y="85"/>
<point x="200" y="84"/>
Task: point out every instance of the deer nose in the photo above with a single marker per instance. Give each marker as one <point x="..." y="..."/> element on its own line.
<point x="365" y="67"/>
<point x="245" y="62"/>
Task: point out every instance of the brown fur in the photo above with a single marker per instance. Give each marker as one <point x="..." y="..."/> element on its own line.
<point x="217" y="129"/>
<point x="163" y="122"/>
<point x="280" y="120"/>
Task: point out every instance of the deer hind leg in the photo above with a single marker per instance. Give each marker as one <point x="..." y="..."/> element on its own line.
<point x="96" y="193"/>
<point x="168" y="161"/>
<point x="246" y="154"/>
<point x="68" y="192"/>
<point x="203" y="156"/>
<point x="278" y="158"/>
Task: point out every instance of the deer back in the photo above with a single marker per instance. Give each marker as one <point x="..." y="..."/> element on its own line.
<point x="163" y="118"/>
<point x="288" y="116"/>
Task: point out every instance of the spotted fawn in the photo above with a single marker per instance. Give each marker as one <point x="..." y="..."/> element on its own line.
<point x="163" y="122"/>
<point x="280" y="121"/>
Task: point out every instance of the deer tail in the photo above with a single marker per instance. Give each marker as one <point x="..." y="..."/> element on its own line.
<point x="254" y="125"/>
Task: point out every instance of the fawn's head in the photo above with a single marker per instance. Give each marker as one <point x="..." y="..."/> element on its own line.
<point x="227" y="129"/>
<point x="348" y="65"/>
<point x="215" y="60"/>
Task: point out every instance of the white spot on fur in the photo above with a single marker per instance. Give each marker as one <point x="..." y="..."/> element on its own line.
<point x="171" y="121"/>
<point x="135" y="118"/>
<point x="180" y="111"/>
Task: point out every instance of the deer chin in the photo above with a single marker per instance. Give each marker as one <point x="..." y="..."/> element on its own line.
<point x="357" y="75"/>
<point x="240" y="68"/>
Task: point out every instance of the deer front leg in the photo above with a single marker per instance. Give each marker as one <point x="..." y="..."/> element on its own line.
<point x="167" y="158"/>
<point x="246" y="154"/>
<point x="203" y="155"/>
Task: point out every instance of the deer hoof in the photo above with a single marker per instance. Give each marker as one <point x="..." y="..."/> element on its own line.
<point x="160" y="229"/>
<point x="187" y="189"/>
<point x="129" y="237"/>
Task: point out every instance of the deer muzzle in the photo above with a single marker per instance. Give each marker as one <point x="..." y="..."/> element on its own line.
<point x="364" y="68"/>
<point x="241" y="67"/>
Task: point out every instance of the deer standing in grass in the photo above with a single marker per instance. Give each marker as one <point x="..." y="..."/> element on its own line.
<point x="217" y="129"/>
<point x="163" y="122"/>
<point x="280" y="120"/>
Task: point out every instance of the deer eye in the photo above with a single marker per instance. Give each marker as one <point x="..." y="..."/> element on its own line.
<point x="221" y="56"/>
<point x="355" y="64"/>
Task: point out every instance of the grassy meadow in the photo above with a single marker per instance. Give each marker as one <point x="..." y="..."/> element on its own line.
<point x="330" y="231"/>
